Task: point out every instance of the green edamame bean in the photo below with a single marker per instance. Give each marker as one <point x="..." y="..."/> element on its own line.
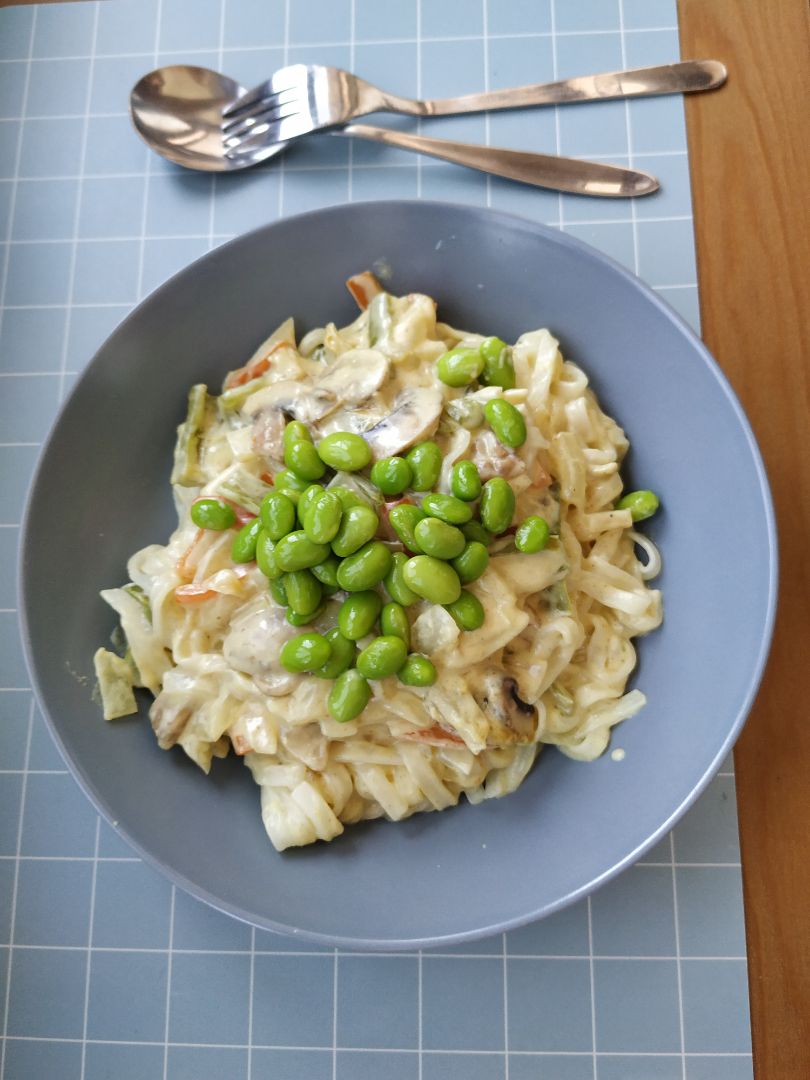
<point x="277" y="513"/>
<point x="382" y="657"/>
<point x="347" y="498"/>
<point x="243" y="548"/>
<point x="345" y="451"/>
<point x="474" y="530"/>
<point x="342" y="658"/>
<point x="403" y="520"/>
<point x="465" y="483"/>
<point x="432" y="579"/>
<point x="326" y="572"/>
<point x="212" y="514"/>
<point x="305" y="652"/>
<point x="395" y="583"/>
<point x="313" y="492"/>
<point x="365" y="568"/>
<point x="304" y="592"/>
<point x="349" y="696"/>
<point x="447" y="508"/>
<point x="460" y="366"/>
<point x="394" y="622"/>
<point x="294" y="619"/>
<point x="532" y="535"/>
<point x="322" y="519"/>
<point x="425" y="460"/>
<point x="471" y="563"/>
<point x="357" y="615"/>
<point x="277" y="590"/>
<point x="641" y="504"/>
<point x="498" y="367"/>
<point x="294" y="432"/>
<point x="296" y="551"/>
<point x="506" y="421"/>
<point x="265" y="556"/>
<point x="467" y="611"/>
<point x="417" y="671"/>
<point x="497" y="505"/>
<point x="439" y="539"/>
<point x="357" y="526"/>
<point x="290" y="484"/>
<point x="303" y="459"/>
<point x="392" y="475"/>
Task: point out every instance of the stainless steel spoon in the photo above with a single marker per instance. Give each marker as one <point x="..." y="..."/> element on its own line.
<point x="178" y="109"/>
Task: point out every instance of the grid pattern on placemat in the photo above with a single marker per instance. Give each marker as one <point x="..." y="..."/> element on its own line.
<point x="107" y="970"/>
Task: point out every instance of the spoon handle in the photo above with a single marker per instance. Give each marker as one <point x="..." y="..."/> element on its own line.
<point x="539" y="170"/>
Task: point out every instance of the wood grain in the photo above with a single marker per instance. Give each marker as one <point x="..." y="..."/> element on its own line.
<point x="750" y="161"/>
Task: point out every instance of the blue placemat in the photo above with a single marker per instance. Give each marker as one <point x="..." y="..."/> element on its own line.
<point x="105" y="969"/>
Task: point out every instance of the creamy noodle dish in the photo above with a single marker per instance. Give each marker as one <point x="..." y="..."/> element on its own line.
<point x="404" y="562"/>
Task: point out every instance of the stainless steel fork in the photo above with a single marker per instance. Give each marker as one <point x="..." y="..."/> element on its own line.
<point x="303" y="98"/>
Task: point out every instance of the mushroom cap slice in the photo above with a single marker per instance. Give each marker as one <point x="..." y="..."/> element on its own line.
<point x="306" y="403"/>
<point x="355" y="375"/>
<point x="414" y="416"/>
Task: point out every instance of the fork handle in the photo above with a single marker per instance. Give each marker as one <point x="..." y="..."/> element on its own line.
<point x="540" y="170"/>
<point x="685" y="77"/>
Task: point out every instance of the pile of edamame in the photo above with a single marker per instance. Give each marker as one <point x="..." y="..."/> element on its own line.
<point x="311" y="540"/>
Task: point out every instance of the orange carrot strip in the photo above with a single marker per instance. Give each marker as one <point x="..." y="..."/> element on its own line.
<point x="363" y="287"/>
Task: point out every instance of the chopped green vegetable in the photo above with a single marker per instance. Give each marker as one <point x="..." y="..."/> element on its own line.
<point x="186" y="470"/>
<point x="115" y="682"/>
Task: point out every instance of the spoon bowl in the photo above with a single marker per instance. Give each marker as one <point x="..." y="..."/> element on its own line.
<point x="177" y="110"/>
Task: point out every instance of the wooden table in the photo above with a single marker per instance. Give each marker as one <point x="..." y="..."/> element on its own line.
<point x="750" y="159"/>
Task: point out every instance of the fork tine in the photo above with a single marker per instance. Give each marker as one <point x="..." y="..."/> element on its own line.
<point x="264" y="119"/>
<point x="236" y="123"/>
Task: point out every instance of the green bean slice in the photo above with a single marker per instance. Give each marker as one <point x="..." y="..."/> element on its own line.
<point x="358" y="613"/>
<point x="349" y="696"/>
<point x="212" y="514"/>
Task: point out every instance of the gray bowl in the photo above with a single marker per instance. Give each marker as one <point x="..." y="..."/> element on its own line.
<point x="102" y="491"/>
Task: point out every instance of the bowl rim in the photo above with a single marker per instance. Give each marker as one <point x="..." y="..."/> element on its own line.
<point x="26" y="585"/>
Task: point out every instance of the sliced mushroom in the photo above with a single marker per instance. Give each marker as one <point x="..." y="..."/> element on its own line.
<point x="414" y="416"/>
<point x="254" y="642"/>
<point x="306" y="403"/>
<point x="268" y="434"/>
<point x="168" y="720"/>
<point x="355" y="376"/>
<point x="513" y="720"/>
<point x="492" y="458"/>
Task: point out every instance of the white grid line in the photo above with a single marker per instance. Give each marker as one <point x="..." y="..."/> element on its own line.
<point x="334" y="1014"/>
<point x="344" y="953"/>
<point x="74" y="255"/>
<point x="89" y="970"/>
<point x="12" y="203"/>
<point x="282" y="164"/>
<point x="420" y="1014"/>
<point x="592" y="984"/>
<point x="251" y="991"/>
<point x="169" y="951"/>
<point x="505" y="955"/>
<point x="557" y="136"/>
<point x="16" y="878"/>
<point x="629" y="130"/>
<point x="352" y="67"/>
<point x="147" y="174"/>
<point x="342" y="44"/>
<point x="699" y="1054"/>
<point x="487" y="133"/>
<point x="678" y="966"/>
<point x="419" y="157"/>
<point x="310" y="167"/>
